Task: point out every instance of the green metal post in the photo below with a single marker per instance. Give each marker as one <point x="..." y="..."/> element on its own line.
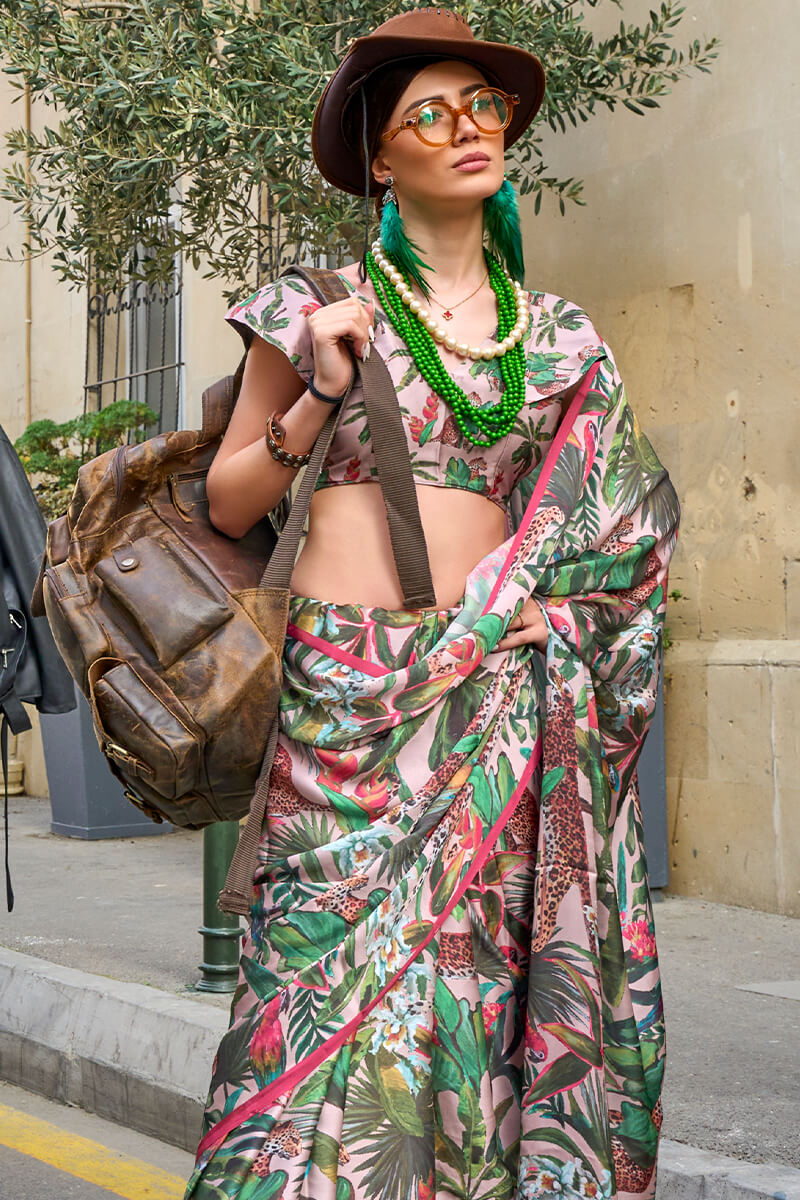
<point x="221" y="932"/>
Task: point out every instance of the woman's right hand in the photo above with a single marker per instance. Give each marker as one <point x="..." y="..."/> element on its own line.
<point x="334" y="329"/>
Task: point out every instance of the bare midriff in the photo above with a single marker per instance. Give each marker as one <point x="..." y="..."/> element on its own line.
<point x="347" y="556"/>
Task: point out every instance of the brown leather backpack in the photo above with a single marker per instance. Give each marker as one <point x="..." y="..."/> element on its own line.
<point x="174" y="632"/>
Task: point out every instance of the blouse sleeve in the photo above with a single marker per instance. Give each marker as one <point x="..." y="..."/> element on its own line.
<point x="278" y="313"/>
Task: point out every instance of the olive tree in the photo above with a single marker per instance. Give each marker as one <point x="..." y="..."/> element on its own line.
<point x="183" y="125"/>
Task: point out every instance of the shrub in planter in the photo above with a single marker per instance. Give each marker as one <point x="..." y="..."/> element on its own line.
<point x="52" y="453"/>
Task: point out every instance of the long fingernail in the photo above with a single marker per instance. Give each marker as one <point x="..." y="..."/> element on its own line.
<point x="371" y="332"/>
<point x="365" y="352"/>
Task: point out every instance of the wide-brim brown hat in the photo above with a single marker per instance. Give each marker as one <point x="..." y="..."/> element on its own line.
<point x="436" y="33"/>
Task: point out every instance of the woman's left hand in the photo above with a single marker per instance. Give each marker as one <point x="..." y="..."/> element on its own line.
<point x="529" y="626"/>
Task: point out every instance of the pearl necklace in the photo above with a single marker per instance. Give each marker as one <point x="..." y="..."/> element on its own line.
<point x="438" y="332"/>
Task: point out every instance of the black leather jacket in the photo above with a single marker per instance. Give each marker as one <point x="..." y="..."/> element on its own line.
<point x="41" y="677"/>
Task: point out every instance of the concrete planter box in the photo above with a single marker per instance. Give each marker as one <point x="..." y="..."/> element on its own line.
<point x="653" y="793"/>
<point x="86" y="801"/>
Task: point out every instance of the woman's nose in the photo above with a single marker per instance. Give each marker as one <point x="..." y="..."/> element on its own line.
<point x="465" y="128"/>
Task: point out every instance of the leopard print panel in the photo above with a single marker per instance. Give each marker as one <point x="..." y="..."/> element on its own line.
<point x="456" y="957"/>
<point x="340" y="899"/>
<point x="284" y="1140"/>
<point x="562" y="814"/>
<point x="629" y="1175"/>
<point x="522" y="830"/>
<point x="284" y="799"/>
<point x="615" y="542"/>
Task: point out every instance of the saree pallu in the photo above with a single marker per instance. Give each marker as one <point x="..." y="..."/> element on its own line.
<point x="450" y="986"/>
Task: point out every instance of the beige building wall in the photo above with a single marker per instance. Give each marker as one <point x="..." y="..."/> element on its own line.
<point x="686" y="255"/>
<point x="53" y="373"/>
<point x="49" y="378"/>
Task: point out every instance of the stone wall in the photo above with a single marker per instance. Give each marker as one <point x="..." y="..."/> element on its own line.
<point x="686" y="256"/>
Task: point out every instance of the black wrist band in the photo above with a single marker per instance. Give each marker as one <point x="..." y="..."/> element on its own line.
<point x="321" y="395"/>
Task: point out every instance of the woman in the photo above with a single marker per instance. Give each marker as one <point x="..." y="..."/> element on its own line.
<point x="449" y="986"/>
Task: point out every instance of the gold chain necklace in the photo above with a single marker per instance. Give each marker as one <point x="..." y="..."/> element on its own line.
<point x="448" y="311"/>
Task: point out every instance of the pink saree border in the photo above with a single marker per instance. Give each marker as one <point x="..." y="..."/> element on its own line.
<point x="287" y="1082"/>
<point x="341" y="656"/>
<point x="557" y="445"/>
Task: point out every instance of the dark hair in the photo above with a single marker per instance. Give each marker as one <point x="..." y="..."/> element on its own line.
<point x="383" y="88"/>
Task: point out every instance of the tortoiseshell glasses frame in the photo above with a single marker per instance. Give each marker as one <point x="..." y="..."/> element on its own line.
<point x="509" y="99"/>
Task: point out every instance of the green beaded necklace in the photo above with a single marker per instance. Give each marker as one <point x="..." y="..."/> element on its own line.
<point x="481" y="426"/>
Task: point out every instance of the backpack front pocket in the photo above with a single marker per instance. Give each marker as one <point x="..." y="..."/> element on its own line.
<point x="141" y="732"/>
<point x="169" y="597"/>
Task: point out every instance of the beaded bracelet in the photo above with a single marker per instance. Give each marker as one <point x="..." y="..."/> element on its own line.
<point x="321" y="395"/>
<point x="275" y="437"/>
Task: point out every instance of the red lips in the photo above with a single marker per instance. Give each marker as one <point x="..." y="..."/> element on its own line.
<point x="475" y="156"/>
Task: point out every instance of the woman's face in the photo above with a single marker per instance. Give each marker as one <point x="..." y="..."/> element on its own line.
<point x="429" y="175"/>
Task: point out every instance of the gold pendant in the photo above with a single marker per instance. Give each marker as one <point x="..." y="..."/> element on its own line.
<point x="448" y="316"/>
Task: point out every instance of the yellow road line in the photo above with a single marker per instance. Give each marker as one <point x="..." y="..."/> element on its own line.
<point x="78" y="1156"/>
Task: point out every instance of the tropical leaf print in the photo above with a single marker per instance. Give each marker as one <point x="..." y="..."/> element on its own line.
<point x="451" y="981"/>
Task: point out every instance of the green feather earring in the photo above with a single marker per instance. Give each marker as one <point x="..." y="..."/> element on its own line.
<point x="397" y="246"/>
<point x="501" y="223"/>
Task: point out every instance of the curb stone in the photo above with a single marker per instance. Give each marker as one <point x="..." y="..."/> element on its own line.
<point x="124" y="1051"/>
<point x="688" y="1173"/>
<point x="142" y="1057"/>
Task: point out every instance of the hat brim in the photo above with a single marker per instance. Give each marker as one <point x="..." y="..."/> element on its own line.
<point x="515" y="69"/>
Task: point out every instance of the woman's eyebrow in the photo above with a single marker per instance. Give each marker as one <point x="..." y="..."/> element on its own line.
<point x="471" y="87"/>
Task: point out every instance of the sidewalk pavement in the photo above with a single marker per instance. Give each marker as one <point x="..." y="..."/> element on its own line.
<point x="97" y="1008"/>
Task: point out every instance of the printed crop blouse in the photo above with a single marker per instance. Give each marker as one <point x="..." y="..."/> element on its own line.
<point x="560" y="343"/>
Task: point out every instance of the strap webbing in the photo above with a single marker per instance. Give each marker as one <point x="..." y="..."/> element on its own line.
<point x="236" y="895"/>
<point x="397" y="484"/>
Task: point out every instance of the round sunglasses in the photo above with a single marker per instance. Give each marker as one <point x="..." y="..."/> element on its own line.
<point x="435" y="122"/>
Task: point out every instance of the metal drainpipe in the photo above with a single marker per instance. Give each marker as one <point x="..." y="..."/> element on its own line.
<point x="221" y="933"/>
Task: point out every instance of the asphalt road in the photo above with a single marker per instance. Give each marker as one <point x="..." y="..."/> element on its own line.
<point x="51" y="1152"/>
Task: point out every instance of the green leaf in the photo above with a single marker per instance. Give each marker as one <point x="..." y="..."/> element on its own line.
<point x="325" y="1155"/>
<point x="416" y="932"/>
<point x="581" y="1045"/>
<point x="344" y="1189"/>
<point x="469" y="1113"/>
<point x="612" y="961"/>
<point x="263" y="982"/>
<point x="420" y="695"/>
<point x="622" y="891"/>
<point x="564" y="1073"/>
<point x="272" y="1187"/>
<point x="445" y="886"/>
<point x="425" y="433"/>
<point x="398" y="1101"/>
<point x="551" y="780"/>
<point x="446" y="1007"/>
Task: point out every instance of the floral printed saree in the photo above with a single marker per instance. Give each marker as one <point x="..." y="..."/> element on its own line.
<point x="450" y="987"/>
